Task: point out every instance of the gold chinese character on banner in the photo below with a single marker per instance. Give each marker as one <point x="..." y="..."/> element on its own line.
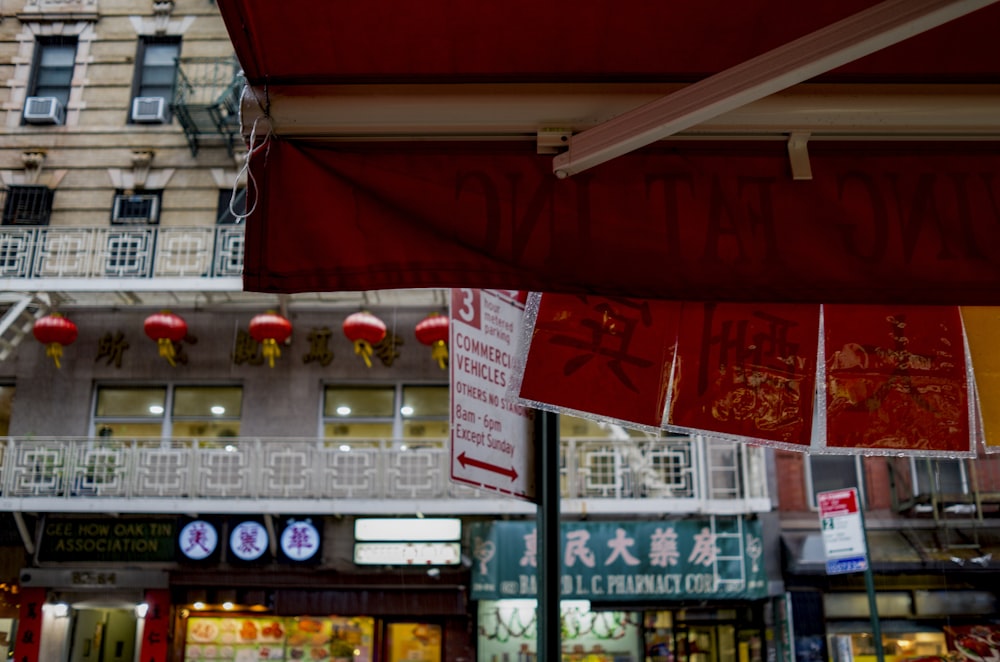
<point x="111" y="347"/>
<point x="319" y="347"/>
<point x="387" y="350"/>
<point x="247" y="350"/>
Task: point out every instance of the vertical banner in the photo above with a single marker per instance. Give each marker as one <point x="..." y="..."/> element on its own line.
<point x="746" y="371"/>
<point x="605" y="357"/>
<point x="27" y="647"/>
<point x="982" y="328"/>
<point x="491" y="436"/>
<point x="895" y="381"/>
<point x="156" y="630"/>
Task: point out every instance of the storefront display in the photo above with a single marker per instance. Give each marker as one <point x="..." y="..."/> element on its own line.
<point x="252" y="639"/>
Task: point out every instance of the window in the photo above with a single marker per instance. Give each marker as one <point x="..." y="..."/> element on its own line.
<point x="224" y="214"/>
<point x="6" y="402"/>
<point x="834" y="472"/>
<point x="206" y="412"/>
<point x="941" y="477"/>
<point x="27" y="205"/>
<point x="156" y="76"/>
<point x="136" y="208"/>
<point x="52" y="79"/>
<point x="386" y="412"/>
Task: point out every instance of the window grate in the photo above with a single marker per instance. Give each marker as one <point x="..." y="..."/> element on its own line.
<point x="27" y="205"/>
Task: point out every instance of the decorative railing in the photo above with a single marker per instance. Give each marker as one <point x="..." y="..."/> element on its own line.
<point x="121" y="252"/>
<point x="677" y="468"/>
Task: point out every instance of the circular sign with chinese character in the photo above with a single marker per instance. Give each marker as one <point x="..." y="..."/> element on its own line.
<point x="198" y="540"/>
<point x="248" y="541"/>
<point x="300" y="540"/>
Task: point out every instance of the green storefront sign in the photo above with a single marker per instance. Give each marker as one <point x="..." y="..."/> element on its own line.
<point x="113" y="540"/>
<point x="625" y="561"/>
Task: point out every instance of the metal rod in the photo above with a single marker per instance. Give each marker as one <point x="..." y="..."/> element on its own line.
<point x="548" y="535"/>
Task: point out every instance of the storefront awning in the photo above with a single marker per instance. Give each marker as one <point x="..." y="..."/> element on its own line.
<point x="888" y="222"/>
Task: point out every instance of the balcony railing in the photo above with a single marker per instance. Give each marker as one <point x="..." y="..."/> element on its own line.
<point x="946" y="488"/>
<point x="119" y="252"/>
<point x="671" y="474"/>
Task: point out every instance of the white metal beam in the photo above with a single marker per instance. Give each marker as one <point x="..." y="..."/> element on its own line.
<point x="863" y="33"/>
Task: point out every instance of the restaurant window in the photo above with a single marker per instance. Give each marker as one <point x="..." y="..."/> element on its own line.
<point x="156" y="76"/>
<point x="834" y="472"/>
<point x="27" y="205"/>
<point x="51" y="81"/>
<point x="205" y="412"/>
<point x="386" y="412"/>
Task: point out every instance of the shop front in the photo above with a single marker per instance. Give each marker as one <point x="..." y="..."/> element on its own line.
<point x="667" y="590"/>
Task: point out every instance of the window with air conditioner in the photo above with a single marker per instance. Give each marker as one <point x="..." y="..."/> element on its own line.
<point x="136" y="208"/>
<point x="27" y="205"/>
<point x="155" y="78"/>
<point x="51" y="81"/>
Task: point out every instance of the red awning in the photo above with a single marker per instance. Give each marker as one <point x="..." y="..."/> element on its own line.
<point x="912" y="220"/>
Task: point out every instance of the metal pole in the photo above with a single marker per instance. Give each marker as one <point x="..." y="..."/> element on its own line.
<point x="549" y="558"/>
<point x="872" y="602"/>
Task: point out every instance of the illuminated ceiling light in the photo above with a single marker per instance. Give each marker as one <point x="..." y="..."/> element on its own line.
<point x="344" y="448"/>
<point x="343" y="410"/>
<point x="230" y="448"/>
<point x="227" y="605"/>
<point x="218" y="410"/>
<point x="406" y="410"/>
<point x="155" y="409"/>
<point x="141" y="610"/>
<point x="199" y="605"/>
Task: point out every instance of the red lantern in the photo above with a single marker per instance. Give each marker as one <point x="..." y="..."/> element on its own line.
<point x="364" y="330"/>
<point x="433" y="331"/>
<point x="269" y="329"/>
<point x="166" y="328"/>
<point x="54" y="331"/>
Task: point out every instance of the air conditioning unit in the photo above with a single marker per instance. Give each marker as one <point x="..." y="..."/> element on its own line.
<point x="44" y="110"/>
<point x="152" y="110"/>
<point x="139" y="209"/>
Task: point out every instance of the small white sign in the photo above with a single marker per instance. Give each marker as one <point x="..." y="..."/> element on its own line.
<point x="248" y="541"/>
<point x="402" y="553"/>
<point x="491" y="436"/>
<point x="300" y="540"/>
<point x="198" y="540"/>
<point x="843" y="533"/>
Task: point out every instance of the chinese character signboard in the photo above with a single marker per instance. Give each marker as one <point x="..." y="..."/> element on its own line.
<point x="896" y="380"/>
<point x="625" y="561"/>
<point x="156" y="630"/>
<point x="746" y="371"/>
<point x="28" y="644"/>
<point x="299" y="542"/>
<point x="490" y="433"/>
<point x="199" y="540"/>
<point x="605" y="356"/>
<point x="843" y="531"/>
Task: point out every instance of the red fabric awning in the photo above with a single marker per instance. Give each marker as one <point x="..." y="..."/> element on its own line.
<point x="878" y="223"/>
<point x="304" y="41"/>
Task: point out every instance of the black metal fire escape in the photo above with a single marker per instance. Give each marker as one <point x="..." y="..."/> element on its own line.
<point x="207" y="101"/>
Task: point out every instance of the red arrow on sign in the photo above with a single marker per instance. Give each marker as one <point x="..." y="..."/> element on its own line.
<point x="479" y="464"/>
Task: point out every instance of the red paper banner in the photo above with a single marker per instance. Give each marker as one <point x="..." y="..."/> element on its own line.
<point x="609" y="357"/>
<point x="156" y="631"/>
<point x="697" y="222"/>
<point x="896" y="380"/>
<point x="746" y="371"/>
<point x="27" y="646"/>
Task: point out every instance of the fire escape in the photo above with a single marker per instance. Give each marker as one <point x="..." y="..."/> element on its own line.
<point x="207" y="101"/>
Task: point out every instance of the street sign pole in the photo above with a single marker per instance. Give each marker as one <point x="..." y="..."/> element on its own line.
<point x="548" y="531"/>
<point x="872" y="602"/>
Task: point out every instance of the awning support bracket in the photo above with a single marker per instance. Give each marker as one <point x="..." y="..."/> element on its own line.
<point x="798" y="155"/>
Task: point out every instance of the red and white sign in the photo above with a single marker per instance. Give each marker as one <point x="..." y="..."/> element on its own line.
<point x="843" y="531"/>
<point x="491" y="435"/>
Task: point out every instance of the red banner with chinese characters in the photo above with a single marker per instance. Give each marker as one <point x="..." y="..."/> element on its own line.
<point x="156" y="631"/>
<point x="746" y="371"/>
<point x="605" y="356"/>
<point x="896" y="380"/>
<point x="982" y="328"/>
<point x="27" y="646"/>
<point x="878" y="223"/>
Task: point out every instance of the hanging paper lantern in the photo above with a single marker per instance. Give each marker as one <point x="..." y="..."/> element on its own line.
<point x="166" y="328"/>
<point x="269" y="329"/>
<point x="54" y="331"/>
<point x="364" y="330"/>
<point x="433" y="332"/>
